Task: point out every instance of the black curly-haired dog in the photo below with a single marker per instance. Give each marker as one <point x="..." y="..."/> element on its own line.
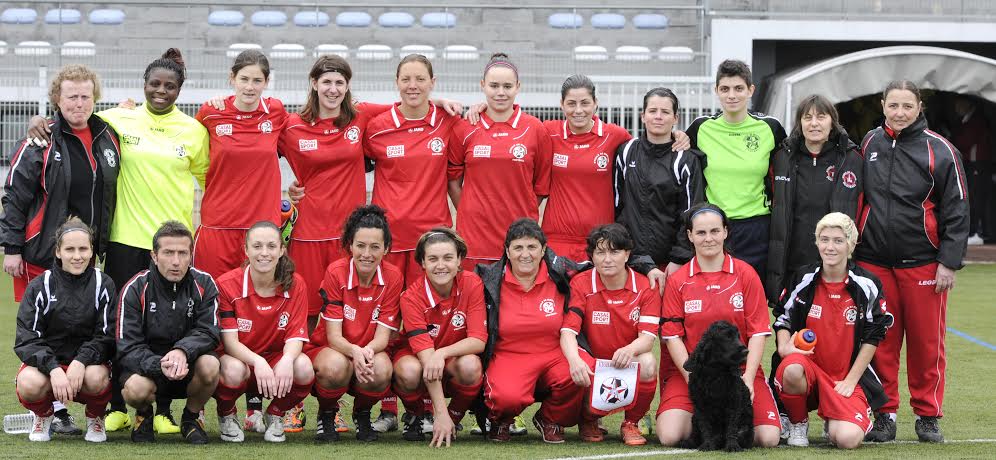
<point x="723" y="415"/>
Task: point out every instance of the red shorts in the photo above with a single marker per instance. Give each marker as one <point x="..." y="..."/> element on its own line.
<point x="219" y="250"/>
<point x="311" y="258"/>
<point x="405" y="261"/>
<point x="571" y="248"/>
<point x="830" y="405"/>
<point x="674" y="395"/>
<point x="30" y="272"/>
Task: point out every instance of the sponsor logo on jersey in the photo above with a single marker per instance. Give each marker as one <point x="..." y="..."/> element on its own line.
<point x="830" y="171"/>
<point x="560" y="160"/>
<point x="264" y="307"/>
<point x="266" y="127"/>
<point x="737" y="300"/>
<point x="926" y="282"/>
<point x="395" y="151"/>
<point x="307" y="145"/>
<point x="353" y="134"/>
<point x="849" y="179"/>
<point x="581" y="146"/>
<point x="458" y="320"/>
<point x="518" y="152"/>
<point x="110" y="157"/>
<point x="614" y="302"/>
<point x="181" y="151"/>
<point x="783" y="178"/>
<point x="349" y="312"/>
<point x="713" y="287"/>
<point x="482" y="151"/>
<point x="634" y="315"/>
<point x="497" y="135"/>
<point x="129" y="139"/>
<point x="600" y="317"/>
<point x="752" y="142"/>
<point x="415" y="130"/>
<point x="245" y="325"/>
<point x="693" y="306"/>
<point x="223" y="130"/>
<point x="331" y="131"/>
<point x="365" y="299"/>
<point x="601" y="161"/>
<point x="436" y="145"/>
<point x="284" y="319"/>
<point x="850" y="314"/>
<point x="816" y="311"/>
<point x="376" y="314"/>
<point x="433" y="330"/>
<point x="834" y="296"/>
<point x="548" y="307"/>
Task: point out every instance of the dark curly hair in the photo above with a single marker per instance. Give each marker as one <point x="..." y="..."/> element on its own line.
<point x="368" y="216"/>
<point x="170" y="60"/>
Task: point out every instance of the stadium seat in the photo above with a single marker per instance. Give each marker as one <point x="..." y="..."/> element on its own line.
<point x="608" y="21"/>
<point x="439" y="20"/>
<point x="676" y="54"/>
<point x="79" y="49"/>
<point x="353" y="19"/>
<point x="633" y="53"/>
<point x="374" y="52"/>
<point x="268" y="18"/>
<point x="287" y="51"/>
<point x="396" y="19"/>
<point x="33" y="48"/>
<point x="339" y="50"/>
<point x="461" y="53"/>
<point x="107" y="17"/>
<point x="63" y="16"/>
<point x="226" y="18"/>
<point x="235" y="48"/>
<point x="424" y="50"/>
<point x="3" y="48"/>
<point x="311" y="19"/>
<point x="566" y="21"/>
<point x="590" y="53"/>
<point x="18" y="16"/>
<point x="650" y="21"/>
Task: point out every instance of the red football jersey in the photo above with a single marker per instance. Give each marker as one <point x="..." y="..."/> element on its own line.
<point x="431" y="322"/>
<point x="410" y="172"/>
<point x="698" y="299"/>
<point x="359" y="309"/>
<point x="242" y="185"/>
<point x="504" y="165"/>
<point x="831" y="317"/>
<point x="264" y="324"/>
<point x="328" y="162"/>
<point x="612" y="319"/>
<point x="581" y="195"/>
<point x="529" y="321"/>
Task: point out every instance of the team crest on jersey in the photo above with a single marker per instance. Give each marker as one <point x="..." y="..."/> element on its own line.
<point x="518" y="151"/>
<point x="601" y="161"/>
<point x="634" y="315"/>
<point x="223" y="130"/>
<point x="349" y="312"/>
<point x="849" y="179"/>
<point x="181" y="151"/>
<point x="482" y="151"/>
<point x="128" y="139"/>
<point x="816" y="311"/>
<point x="395" y="151"/>
<point x="752" y="142"/>
<point x="458" y="320"/>
<point x="693" y="306"/>
<point x="307" y="145"/>
<point x="560" y="160"/>
<point x="600" y="317"/>
<point x="850" y="314"/>
<point x="110" y="158"/>
<point x="436" y="145"/>
<point x="433" y="330"/>
<point x="830" y="170"/>
<point x="245" y="325"/>
<point x="737" y="300"/>
<point x="376" y="314"/>
<point x="548" y="307"/>
<point x="266" y="127"/>
<point x="284" y="319"/>
<point x="352" y="134"/>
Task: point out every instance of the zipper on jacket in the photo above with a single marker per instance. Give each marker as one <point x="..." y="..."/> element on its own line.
<point x="888" y="206"/>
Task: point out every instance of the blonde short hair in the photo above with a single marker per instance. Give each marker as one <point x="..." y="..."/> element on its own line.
<point x="844" y="223"/>
<point x="72" y="72"/>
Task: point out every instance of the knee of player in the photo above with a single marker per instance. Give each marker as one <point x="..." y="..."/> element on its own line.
<point x="233" y="372"/>
<point x="332" y="372"/>
<point x="139" y="390"/>
<point x="207" y="367"/>
<point x="32" y="386"/>
<point x="96" y="378"/>
<point x="848" y="441"/>
<point x="304" y="371"/>
<point x="468" y="369"/>
<point x="766" y="436"/>
<point x="648" y="367"/>
<point x="408" y="374"/>
<point x="669" y="436"/>
<point x="794" y="379"/>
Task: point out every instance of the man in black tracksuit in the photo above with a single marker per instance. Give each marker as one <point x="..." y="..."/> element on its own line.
<point x="167" y="332"/>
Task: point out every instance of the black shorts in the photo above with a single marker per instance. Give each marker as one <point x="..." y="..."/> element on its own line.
<point x="165" y="388"/>
<point x="748" y="241"/>
<point x="123" y="262"/>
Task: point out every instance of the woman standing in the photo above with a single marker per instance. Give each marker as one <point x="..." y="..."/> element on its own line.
<point x="712" y="286"/>
<point x="914" y="231"/>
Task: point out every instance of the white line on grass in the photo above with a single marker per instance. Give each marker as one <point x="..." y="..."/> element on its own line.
<point x="651" y="453"/>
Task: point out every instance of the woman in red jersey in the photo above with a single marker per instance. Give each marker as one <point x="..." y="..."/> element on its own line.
<point x="713" y="286"/>
<point x="500" y="167"/>
<point x="263" y="311"/>
<point x="361" y="296"/>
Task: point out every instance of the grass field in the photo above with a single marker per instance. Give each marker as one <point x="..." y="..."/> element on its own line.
<point x="969" y="425"/>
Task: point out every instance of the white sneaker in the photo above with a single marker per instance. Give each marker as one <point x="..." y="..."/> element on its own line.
<point x="799" y="434"/>
<point x="976" y="240"/>
<point x="95" y="431"/>
<point x="274" y="428"/>
<point x="254" y="421"/>
<point x="39" y="429"/>
<point x="230" y="429"/>
<point x="427" y="423"/>
<point x="785" y="426"/>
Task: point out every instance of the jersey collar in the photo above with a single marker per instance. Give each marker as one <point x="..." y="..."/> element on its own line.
<point x="542" y="277"/>
<point x="399" y="118"/>
<point x="431" y="293"/>
<point x="598" y="128"/>
<point x="694" y="268"/>
<point x="354" y="278"/>
<point x="487" y="122"/>
<point x="597" y="285"/>
<point x="249" y="290"/>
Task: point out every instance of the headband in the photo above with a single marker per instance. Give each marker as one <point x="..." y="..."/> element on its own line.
<point x="504" y="64"/>
<point x="75" y="229"/>
<point x="700" y="211"/>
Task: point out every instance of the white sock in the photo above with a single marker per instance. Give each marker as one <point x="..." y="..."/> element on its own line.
<point x="57" y="405"/>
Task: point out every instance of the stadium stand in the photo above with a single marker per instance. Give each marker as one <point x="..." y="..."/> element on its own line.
<point x="18" y="16"/>
<point x="33" y="48"/>
<point x="63" y="16"/>
<point x="353" y="19"/>
<point x="565" y="21"/>
<point x="608" y="21"/>
<point x="650" y="21"/>
<point x="374" y="52"/>
<point x="287" y="51"/>
<point x="79" y="49"/>
<point x="235" y="48"/>
<point x="676" y="54"/>
<point x="591" y="53"/>
<point x="3" y="48"/>
<point x="424" y="50"/>
<point x="632" y="53"/>
<point x="461" y="53"/>
<point x="226" y="18"/>
<point x="327" y="48"/>
<point x="439" y="20"/>
<point x="396" y="19"/>
<point x="268" y="18"/>
<point x="311" y="19"/>
<point x="107" y="17"/>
